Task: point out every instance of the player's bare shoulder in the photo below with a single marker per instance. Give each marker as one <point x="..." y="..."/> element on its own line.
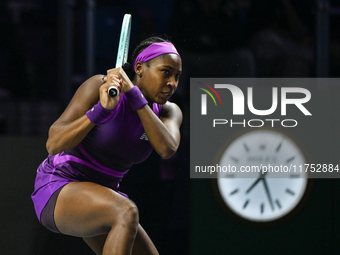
<point x="91" y="85"/>
<point x="171" y="111"/>
<point x="84" y="98"/>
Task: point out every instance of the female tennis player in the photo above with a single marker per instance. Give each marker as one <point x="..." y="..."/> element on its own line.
<point x="95" y="142"/>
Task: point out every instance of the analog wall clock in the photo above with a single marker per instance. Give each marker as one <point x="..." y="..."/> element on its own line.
<point x="254" y="191"/>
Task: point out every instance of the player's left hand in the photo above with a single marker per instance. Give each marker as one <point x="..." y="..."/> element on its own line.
<point x="125" y="82"/>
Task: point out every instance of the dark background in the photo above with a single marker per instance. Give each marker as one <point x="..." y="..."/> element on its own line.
<point x="44" y="57"/>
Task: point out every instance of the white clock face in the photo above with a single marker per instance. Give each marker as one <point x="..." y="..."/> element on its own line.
<point x="262" y="196"/>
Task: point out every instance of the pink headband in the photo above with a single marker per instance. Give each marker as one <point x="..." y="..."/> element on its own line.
<point x="155" y="50"/>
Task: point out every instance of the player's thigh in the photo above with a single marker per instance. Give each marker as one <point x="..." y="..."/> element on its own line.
<point x="88" y="209"/>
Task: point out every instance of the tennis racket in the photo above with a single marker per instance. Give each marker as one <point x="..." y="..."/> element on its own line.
<point x="123" y="50"/>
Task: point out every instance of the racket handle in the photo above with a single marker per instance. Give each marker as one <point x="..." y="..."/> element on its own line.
<point x="113" y="91"/>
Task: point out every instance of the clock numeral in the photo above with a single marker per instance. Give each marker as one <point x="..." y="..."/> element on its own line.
<point x="290" y="192"/>
<point x="234" y="159"/>
<point x="245" y="204"/>
<point x="290" y="159"/>
<point x="233" y="192"/>
<point x="246" y="147"/>
<point x="278" y="147"/>
<point x="262" y="208"/>
<point x="294" y="176"/>
<point x="278" y="203"/>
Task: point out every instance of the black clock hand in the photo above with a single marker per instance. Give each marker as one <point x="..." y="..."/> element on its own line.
<point x="262" y="175"/>
<point x="253" y="185"/>
<point x="268" y="193"/>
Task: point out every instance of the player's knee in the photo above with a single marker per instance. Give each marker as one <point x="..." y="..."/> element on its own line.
<point x="129" y="215"/>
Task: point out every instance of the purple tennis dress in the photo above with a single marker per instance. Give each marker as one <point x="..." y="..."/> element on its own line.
<point x="104" y="156"/>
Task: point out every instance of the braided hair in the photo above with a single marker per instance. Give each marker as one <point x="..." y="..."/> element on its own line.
<point x="128" y="66"/>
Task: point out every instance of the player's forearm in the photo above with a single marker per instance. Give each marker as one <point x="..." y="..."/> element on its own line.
<point x="63" y="136"/>
<point x="163" y="141"/>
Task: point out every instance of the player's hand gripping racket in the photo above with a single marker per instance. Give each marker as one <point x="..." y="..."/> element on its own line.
<point x="123" y="50"/>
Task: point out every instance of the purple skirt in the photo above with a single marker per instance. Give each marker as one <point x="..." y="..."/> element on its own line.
<point x="56" y="171"/>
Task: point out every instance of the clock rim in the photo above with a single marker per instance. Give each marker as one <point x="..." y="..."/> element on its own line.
<point x="287" y="216"/>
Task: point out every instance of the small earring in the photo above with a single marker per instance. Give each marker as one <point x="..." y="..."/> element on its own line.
<point x="140" y="75"/>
